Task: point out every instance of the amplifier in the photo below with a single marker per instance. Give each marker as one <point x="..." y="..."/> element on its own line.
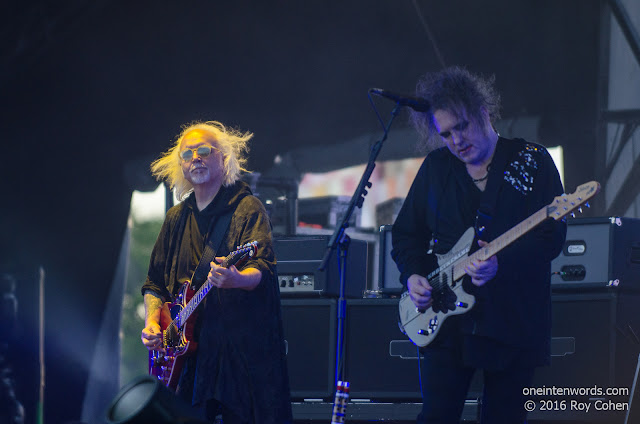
<point x="299" y="258"/>
<point x="599" y="252"/>
<point x="279" y="195"/>
<point x="326" y="211"/>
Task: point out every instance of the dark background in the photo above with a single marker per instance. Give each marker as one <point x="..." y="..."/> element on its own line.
<point x="93" y="90"/>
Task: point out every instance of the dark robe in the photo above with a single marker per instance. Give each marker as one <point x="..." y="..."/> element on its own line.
<point x="240" y="360"/>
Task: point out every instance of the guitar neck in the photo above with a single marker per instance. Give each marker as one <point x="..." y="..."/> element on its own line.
<point x="501" y="242"/>
<point x="184" y="315"/>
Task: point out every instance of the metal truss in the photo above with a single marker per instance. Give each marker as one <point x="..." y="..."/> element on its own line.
<point x="627" y="122"/>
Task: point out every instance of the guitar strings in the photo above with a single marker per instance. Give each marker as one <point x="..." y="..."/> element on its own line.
<point x="173" y="329"/>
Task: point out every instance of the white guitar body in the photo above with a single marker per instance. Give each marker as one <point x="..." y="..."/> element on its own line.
<point x="423" y="326"/>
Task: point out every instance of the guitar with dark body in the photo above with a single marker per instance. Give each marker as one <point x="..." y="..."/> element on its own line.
<point x="177" y="321"/>
<point x="422" y="326"/>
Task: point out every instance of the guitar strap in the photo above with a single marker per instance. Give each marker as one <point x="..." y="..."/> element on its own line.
<point x="504" y="152"/>
<point x="215" y="236"/>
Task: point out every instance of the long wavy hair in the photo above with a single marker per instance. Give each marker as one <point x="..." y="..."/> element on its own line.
<point x="232" y="143"/>
<point x="458" y="91"/>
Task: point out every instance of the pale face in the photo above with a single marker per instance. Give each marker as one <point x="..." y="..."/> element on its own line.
<point x="202" y="170"/>
<point x="471" y="143"/>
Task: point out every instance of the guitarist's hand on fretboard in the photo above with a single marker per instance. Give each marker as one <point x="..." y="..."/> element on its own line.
<point x="231" y="278"/>
<point x="482" y="271"/>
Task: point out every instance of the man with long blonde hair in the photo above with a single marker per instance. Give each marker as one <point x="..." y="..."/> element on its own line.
<point x="239" y="369"/>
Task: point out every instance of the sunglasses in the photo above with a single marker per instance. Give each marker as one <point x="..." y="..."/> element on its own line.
<point x="203" y="152"/>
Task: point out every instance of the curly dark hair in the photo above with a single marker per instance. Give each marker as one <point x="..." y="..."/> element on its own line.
<point x="458" y="91"/>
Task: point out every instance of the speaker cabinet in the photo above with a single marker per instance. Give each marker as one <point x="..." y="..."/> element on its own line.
<point x="310" y="337"/>
<point x="589" y="348"/>
<point x="594" y="343"/>
<point x="582" y="341"/>
<point x="381" y="362"/>
<point x="633" y="413"/>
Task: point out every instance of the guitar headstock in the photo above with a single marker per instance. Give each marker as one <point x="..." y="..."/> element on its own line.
<point x="241" y="254"/>
<point x="568" y="203"/>
<point x="248" y="248"/>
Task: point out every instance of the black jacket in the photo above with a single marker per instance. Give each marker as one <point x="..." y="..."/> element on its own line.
<point x="514" y="308"/>
<point x="241" y="359"/>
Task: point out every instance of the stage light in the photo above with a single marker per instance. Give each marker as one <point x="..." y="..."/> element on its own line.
<point x="146" y="400"/>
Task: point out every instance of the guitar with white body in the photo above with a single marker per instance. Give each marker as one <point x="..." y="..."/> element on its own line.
<point x="422" y="326"/>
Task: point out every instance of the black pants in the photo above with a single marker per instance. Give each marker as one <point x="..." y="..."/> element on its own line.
<point x="445" y="382"/>
<point x="214" y="408"/>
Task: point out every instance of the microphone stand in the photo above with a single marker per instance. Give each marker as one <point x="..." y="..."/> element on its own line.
<point x="341" y="240"/>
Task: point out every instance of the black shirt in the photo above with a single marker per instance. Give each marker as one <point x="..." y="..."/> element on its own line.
<point x="514" y="308"/>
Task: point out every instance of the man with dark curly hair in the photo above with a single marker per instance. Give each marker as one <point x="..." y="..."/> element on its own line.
<point x="478" y="179"/>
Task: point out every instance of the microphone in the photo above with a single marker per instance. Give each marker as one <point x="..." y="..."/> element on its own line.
<point x="415" y="103"/>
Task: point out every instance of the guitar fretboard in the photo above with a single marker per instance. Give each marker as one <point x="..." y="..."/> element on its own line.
<point x="501" y="242"/>
<point x="190" y="307"/>
<point x="184" y="315"/>
<point x="558" y="209"/>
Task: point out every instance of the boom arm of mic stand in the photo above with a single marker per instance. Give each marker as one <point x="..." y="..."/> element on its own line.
<point x="358" y="196"/>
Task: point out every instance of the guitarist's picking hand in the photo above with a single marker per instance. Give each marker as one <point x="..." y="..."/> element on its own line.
<point x="482" y="271"/>
<point x="152" y="336"/>
<point x="419" y="291"/>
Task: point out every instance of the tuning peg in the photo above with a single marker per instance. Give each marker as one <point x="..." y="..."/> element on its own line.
<point x="564" y="219"/>
<point x="587" y="205"/>
<point x="573" y="215"/>
<point x="580" y="209"/>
